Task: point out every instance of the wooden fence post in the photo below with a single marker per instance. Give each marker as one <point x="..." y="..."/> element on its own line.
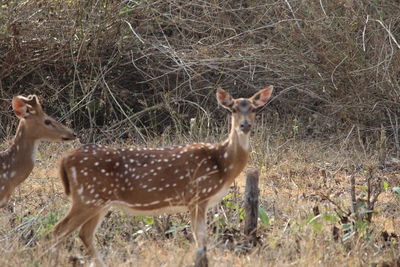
<point x="251" y="205"/>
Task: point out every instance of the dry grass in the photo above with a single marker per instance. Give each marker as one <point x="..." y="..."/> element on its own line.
<point x="296" y="175"/>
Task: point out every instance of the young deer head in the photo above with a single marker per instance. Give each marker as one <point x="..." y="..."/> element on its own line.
<point x="150" y="181"/>
<point x="35" y="125"/>
<point x="243" y="111"/>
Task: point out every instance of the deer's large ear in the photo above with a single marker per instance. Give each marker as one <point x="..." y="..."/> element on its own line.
<point x="33" y="100"/>
<point x="260" y="98"/>
<point x="224" y="99"/>
<point x="20" y="107"/>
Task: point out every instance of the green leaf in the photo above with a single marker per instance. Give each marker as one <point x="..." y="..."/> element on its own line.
<point x="331" y="217"/>
<point x="241" y="213"/>
<point x="364" y="187"/>
<point x="317" y="226"/>
<point x="360" y="204"/>
<point x="361" y="225"/>
<point x="125" y="10"/>
<point x="173" y="229"/>
<point x="149" y="220"/>
<point x="228" y="196"/>
<point x="264" y="217"/>
<point x="313" y="218"/>
<point x="170" y="230"/>
<point x="365" y="211"/>
<point x="396" y="190"/>
<point x="347" y="227"/>
<point x="348" y="235"/>
<point x="385" y="185"/>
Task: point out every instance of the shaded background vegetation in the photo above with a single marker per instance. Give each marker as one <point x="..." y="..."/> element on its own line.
<point x="133" y="68"/>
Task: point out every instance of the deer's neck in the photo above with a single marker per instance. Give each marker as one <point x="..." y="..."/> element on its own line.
<point x="235" y="153"/>
<point x="18" y="160"/>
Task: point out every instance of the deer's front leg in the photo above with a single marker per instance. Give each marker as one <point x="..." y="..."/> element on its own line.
<point x="199" y="225"/>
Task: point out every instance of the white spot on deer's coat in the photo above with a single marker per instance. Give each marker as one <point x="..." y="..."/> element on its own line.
<point x="226" y="155"/>
<point x="80" y="190"/>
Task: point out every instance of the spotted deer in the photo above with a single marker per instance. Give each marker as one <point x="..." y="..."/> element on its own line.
<point x="152" y="181"/>
<point x="17" y="162"/>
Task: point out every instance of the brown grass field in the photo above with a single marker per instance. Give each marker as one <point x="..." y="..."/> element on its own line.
<point x="304" y="190"/>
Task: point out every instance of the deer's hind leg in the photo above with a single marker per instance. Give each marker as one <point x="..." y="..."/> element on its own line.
<point x="78" y="215"/>
<point x="87" y="235"/>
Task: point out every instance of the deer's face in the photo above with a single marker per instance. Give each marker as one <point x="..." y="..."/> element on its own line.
<point x="243" y="113"/>
<point x="38" y="123"/>
<point x="243" y="109"/>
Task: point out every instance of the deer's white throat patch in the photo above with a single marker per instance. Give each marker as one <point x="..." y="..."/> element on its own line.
<point x="244" y="140"/>
<point x="35" y="150"/>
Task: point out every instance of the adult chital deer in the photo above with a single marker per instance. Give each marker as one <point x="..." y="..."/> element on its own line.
<point x="17" y="162"/>
<point x="150" y="181"/>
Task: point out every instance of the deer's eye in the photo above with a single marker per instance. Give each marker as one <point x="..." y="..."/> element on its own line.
<point x="47" y="122"/>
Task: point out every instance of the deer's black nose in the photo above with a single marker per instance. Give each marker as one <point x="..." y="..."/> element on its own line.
<point x="245" y="126"/>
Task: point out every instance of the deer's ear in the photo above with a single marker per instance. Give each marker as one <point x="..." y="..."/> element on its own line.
<point x="224" y="99"/>
<point x="260" y="98"/>
<point x="20" y="107"/>
<point x="33" y="100"/>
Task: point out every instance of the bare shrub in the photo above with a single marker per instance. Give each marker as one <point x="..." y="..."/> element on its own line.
<point x="126" y="68"/>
